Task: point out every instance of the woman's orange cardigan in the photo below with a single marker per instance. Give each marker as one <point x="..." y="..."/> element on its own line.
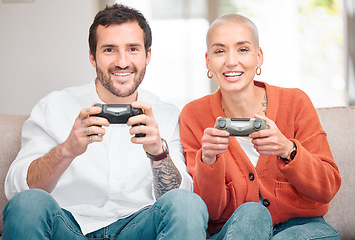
<point x="301" y="188"/>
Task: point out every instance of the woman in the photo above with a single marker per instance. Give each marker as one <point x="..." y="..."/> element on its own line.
<point x="277" y="182"/>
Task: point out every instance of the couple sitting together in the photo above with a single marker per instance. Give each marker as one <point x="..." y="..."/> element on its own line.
<point x="78" y="176"/>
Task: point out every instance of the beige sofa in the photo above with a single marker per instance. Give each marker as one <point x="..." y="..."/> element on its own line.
<point x="338" y="122"/>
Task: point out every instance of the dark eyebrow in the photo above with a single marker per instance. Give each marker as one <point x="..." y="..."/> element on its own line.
<point x="115" y="46"/>
<point x="108" y="46"/>
<point x="134" y="45"/>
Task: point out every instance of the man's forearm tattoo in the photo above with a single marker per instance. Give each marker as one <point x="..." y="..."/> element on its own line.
<point x="165" y="176"/>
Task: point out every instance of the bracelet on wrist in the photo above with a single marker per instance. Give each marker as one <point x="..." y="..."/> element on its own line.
<point x="161" y="156"/>
<point x="291" y="155"/>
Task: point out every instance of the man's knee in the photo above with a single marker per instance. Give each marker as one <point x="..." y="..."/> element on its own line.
<point x="30" y="203"/>
<point x="185" y="203"/>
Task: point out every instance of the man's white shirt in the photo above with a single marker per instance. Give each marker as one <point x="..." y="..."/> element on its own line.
<point x="113" y="178"/>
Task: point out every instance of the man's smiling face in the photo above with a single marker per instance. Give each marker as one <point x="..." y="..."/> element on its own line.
<point x="121" y="59"/>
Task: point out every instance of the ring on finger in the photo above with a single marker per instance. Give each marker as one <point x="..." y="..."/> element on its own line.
<point x="87" y="130"/>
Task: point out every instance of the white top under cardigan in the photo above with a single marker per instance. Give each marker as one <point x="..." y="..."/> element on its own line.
<point x="249" y="149"/>
<point x="113" y="178"/>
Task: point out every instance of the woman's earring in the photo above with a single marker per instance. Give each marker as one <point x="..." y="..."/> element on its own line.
<point x="258" y="71"/>
<point x="209" y="74"/>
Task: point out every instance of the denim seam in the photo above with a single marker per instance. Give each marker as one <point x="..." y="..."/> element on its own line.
<point x="75" y="232"/>
<point x="68" y="226"/>
<point x="323" y="236"/>
<point x="162" y="221"/>
<point x="151" y="210"/>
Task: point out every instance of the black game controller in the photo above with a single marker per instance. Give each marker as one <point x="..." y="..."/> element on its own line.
<point x="119" y="114"/>
<point x="241" y="127"/>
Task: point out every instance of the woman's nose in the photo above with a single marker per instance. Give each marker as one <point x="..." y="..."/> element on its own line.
<point x="232" y="59"/>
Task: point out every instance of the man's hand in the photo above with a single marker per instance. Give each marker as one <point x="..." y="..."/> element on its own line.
<point x="165" y="174"/>
<point x="214" y="142"/>
<point x="271" y="141"/>
<point x="86" y="129"/>
<point x="45" y="172"/>
<point x="152" y="143"/>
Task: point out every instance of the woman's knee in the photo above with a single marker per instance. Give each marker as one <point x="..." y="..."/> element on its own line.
<point x="253" y="210"/>
<point x="305" y="228"/>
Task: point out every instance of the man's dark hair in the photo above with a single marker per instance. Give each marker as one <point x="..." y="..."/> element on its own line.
<point x="118" y="14"/>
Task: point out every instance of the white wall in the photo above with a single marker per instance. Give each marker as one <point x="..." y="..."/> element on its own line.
<point x="43" y="47"/>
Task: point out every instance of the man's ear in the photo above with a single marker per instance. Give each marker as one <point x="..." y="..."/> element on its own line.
<point x="149" y="55"/>
<point x="92" y="59"/>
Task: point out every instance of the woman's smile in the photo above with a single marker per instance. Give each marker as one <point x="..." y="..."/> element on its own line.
<point x="232" y="76"/>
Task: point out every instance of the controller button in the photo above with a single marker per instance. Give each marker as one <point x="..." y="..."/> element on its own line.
<point x="266" y="202"/>
<point x="257" y="123"/>
<point x="222" y="122"/>
<point x="251" y="176"/>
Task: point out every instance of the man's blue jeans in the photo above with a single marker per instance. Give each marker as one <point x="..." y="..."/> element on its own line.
<point x="34" y="214"/>
<point x="253" y="221"/>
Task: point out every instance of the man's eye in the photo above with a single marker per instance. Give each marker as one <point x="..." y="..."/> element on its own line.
<point x="133" y="49"/>
<point x="244" y="49"/>
<point x="109" y="50"/>
<point x="218" y="51"/>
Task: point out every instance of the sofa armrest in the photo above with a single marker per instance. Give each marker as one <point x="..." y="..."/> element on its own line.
<point x="340" y="128"/>
<point x="10" y="142"/>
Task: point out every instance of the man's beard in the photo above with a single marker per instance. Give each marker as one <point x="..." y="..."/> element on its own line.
<point x="107" y="82"/>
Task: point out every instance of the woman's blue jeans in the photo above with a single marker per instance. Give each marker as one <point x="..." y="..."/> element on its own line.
<point x="34" y="214"/>
<point x="253" y="221"/>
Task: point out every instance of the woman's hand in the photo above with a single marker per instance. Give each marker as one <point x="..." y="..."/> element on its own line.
<point x="271" y="141"/>
<point x="214" y="142"/>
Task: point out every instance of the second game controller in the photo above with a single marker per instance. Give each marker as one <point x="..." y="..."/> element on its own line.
<point x="241" y="126"/>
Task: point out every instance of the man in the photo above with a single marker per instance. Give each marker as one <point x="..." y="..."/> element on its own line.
<point x="88" y="178"/>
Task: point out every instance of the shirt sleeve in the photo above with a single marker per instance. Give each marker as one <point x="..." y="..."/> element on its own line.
<point x="313" y="171"/>
<point x="176" y="154"/>
<point x="209" y="181"/>
<point x="36" y="141"/>
<point x="167" y="117"/>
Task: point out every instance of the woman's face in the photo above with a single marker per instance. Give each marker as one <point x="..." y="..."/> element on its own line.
<point x="232" y="55"/>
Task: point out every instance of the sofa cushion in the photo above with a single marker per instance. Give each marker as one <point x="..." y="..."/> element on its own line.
<point x="10" y="142"/>
<point x="339" y="124"/>
<point x="336" y="121"/>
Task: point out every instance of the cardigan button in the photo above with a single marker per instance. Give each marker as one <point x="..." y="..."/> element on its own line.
<point x="266" y="202"/>
<point x="251" y="176"/>
<point x="277" y="225"/>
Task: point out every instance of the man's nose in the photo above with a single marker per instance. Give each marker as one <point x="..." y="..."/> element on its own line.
<point x="121" y="60"/>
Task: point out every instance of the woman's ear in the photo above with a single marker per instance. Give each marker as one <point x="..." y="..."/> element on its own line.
<point x="207" y="60"/>
<point x="260" y="59"/>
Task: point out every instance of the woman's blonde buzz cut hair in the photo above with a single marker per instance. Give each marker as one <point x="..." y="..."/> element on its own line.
<point x="235" y="18"/>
